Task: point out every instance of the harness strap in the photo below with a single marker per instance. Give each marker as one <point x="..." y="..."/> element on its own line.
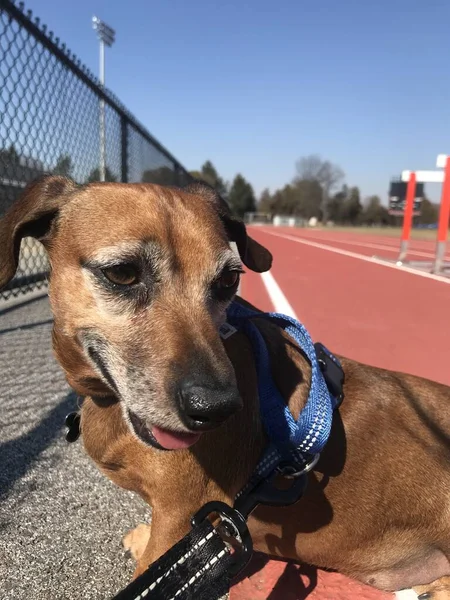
<point x="293" y="444"/>
<point x="309" y="433"/>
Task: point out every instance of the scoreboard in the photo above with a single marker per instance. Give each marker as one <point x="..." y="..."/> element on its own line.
<point x="397" y="198"/>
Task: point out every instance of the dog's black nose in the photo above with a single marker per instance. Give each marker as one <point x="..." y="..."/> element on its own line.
<point x="204" y="408"/>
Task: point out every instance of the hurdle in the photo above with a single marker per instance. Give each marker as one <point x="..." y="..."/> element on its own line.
<point x="444" y="214"/>
<point x="438" y="265"/>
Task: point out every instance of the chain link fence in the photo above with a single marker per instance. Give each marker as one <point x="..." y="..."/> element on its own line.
<point x="50" y="123"/>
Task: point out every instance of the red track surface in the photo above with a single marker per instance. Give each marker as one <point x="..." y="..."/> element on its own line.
<point x="377" y="315"/>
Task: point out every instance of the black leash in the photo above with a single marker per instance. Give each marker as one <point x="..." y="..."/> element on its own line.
<point x="202" y="564"/>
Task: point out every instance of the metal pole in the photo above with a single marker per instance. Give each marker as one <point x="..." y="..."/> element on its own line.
<point x="106" y="36"/>
<point x="102" y="115"/>
<point x="444" y="215"/>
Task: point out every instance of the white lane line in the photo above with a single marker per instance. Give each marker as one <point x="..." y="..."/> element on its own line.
<point x="369" y="259"/>
<point x="278" y="299"/>
<point x="393" y="249"/>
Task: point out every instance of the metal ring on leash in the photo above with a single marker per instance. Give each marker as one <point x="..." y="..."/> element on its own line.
<point x="289" y="472"/>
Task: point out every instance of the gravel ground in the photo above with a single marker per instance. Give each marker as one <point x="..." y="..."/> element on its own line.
<point x="61" y="521"/>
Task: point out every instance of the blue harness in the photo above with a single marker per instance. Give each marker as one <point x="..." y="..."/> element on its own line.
<point x="291" y="442"/>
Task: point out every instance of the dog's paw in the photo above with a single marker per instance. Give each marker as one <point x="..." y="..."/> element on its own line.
<point x="136" y="540"/>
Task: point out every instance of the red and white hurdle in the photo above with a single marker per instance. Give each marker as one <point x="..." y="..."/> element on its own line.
<point x="414" y="177"/>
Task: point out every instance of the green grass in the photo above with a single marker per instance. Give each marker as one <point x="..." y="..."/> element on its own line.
<point x="396" y="232"/>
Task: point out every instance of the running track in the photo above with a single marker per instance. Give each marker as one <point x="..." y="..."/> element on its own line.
<point x="365" y="310"/>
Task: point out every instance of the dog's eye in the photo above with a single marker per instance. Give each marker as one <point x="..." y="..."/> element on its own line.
<point x="228" y="279"/>
<point x="121" y="274"/>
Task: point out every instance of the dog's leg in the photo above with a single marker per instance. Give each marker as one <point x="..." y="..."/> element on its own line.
<point x="155" y="547"/>
<point x="137" y="540"/>
<point x="166" y="531"/>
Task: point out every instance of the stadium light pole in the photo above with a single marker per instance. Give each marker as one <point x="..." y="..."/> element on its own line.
<point x="106" y="37"/>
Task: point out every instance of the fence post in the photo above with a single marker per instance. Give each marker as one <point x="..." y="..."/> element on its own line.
<point x="124" y="137"/>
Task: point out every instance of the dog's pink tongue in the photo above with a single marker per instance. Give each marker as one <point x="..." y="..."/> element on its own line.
<point x="174" y="441"/>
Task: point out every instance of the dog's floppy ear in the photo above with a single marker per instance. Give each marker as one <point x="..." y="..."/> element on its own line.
<point x="32" y="215"/>
<point x="253" y="255"/>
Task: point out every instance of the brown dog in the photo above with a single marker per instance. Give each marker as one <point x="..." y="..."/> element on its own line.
<point x="140" y="280"/>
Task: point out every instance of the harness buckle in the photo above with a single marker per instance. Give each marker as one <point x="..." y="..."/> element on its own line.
<point x="332" y="372"/>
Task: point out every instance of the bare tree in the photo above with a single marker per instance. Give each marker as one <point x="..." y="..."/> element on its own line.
<point x="64" y="166"/>
<point x="328" y="175"/>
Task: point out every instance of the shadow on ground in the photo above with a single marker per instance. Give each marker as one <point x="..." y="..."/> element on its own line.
<point x="296" y="582"/>
<point x="61" y="520"/>
<point x="17" y="456"/>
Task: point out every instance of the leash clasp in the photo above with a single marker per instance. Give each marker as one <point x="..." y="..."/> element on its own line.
<point x="268" y="493"/>
<point x="232" y="529"/>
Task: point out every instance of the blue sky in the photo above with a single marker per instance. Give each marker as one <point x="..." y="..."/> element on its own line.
<point x="255" y="85"/>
